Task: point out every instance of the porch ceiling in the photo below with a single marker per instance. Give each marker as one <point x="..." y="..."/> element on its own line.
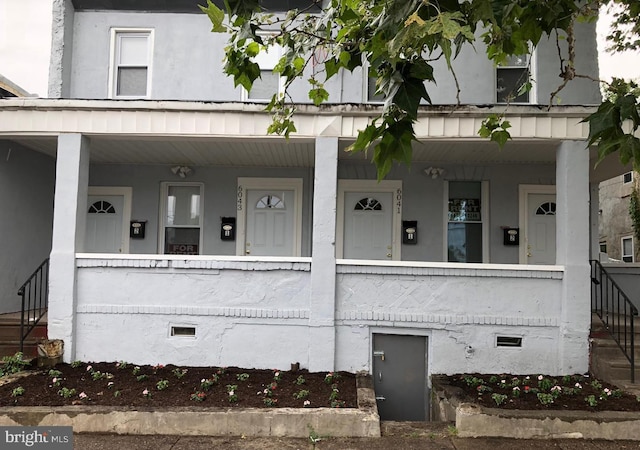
<point x="277" y="152"/>
<point x="234" y="134"/>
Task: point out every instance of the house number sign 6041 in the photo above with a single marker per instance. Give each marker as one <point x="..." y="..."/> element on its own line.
<point x="399" y="201"/>
<point x="240" y="197"/>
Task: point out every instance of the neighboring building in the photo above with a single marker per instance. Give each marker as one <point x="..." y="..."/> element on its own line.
<point x="183" y="233"/>
<point x="616" y="233"/>
<point x="10" y="89"/>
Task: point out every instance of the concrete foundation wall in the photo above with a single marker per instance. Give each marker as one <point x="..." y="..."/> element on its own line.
<point x="461" y="314"/>
<point x="26" y="201"/>
<point x="246" y="314"/>
<point x="263" y="306"/>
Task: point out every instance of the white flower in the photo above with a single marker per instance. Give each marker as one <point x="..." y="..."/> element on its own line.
<point x="110" y="383"/>
<point x="556" y="388"/>
<point x="527" y="377"/>
<point x="277" y="374"/>
<point x="540" y="377"/>
<point x="516" y="388"/>
<point x="203" y="380"/>
<point x="578" y="385"/>
<point x="231" y="393"/>
<point x="89" y="368"/>
<point x="607" y="391"/>
<point x="306" y="403"/>
<point x="503" y="381"/>
<point x="145" y="392"/>
<point x="55" y="380"/>
<point x="82" y="395"/>
<point x="266" y="391"/>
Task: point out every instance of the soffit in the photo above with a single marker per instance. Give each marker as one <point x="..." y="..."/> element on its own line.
<point x="278" y="152"/>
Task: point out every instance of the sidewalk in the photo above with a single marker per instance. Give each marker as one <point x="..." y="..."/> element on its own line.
<point x="396" y="436"/>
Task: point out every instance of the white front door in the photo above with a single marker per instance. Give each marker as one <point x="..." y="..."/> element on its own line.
<point x="108" y="213"/>
<point x="541" y="229"/>
<point x="368" y="224"/>
<point x="368" y="231"/>
<point x="269" y="217"/>
<point x="270" y="222"/>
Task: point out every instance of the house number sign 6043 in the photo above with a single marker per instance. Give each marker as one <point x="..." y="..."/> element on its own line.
<point x="399" y="201"/>
<point x="240" y="197"/>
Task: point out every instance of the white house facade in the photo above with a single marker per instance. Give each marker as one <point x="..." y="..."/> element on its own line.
<point x="182" y="233"/>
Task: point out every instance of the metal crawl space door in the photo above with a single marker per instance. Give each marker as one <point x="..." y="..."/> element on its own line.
<point x="400" y="377"/>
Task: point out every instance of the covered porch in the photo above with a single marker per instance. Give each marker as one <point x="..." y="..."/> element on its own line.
<point x="457" y="282"/>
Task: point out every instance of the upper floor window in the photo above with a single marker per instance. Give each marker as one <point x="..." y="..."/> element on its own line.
<point x="270" y="82"/>
<point x="130" y="70"/>
<point x="511" y="78"/>
<point x="627" y="178"/>
<point x="372" y="96"/>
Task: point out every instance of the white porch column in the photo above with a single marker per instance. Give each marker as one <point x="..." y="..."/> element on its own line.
<point x="322" y="344"/>
<point x="69" y="217"/>
<point x="572" y="241"/>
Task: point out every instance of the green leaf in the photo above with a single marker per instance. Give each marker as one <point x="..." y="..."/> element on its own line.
<point x="318" y="95"/>
<point x="216" y="16"/>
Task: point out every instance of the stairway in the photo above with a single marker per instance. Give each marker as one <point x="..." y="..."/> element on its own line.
<point x="10" y="335"/>
<point x="608" y="362"/>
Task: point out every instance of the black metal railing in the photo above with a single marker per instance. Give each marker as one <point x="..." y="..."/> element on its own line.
<point x="35" y="300"/>
<point x="615" y="310"/>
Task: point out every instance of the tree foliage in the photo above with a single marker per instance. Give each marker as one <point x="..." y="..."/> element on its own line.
<point x="397" y="42"/>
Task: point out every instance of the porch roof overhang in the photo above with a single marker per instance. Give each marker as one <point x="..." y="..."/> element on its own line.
<point x="202" y="133"/>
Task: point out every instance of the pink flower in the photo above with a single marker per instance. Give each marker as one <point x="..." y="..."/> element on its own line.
<point x="145" y="392"/>
<point x="82" y="395"/>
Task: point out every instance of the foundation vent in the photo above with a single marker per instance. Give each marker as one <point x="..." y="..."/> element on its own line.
<point x="183" y="331"/>
<point x="508" y="341"/>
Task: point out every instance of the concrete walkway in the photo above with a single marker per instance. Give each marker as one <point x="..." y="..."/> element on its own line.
<point x="396" y="436"/>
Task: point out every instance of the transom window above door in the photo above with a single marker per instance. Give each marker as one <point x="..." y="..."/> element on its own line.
<point x="102" y="207"/>
<point x="546" y="209"/>
<point x="270" y="201"/>
<point x="368" y="204"/>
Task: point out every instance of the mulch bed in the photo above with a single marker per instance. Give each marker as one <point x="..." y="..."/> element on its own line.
<point x="592" y="394"/>
<point x="111" y="384"/>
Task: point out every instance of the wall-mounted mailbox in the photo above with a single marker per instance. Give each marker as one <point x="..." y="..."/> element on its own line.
<point x="228" y="228"/>
<point x="410" y="232"/>
<point x="137" y="228"/>
<point x="511" y="236"/>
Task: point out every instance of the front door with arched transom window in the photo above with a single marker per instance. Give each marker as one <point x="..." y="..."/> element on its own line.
<point x="270" y="222"/>
<point x="108" y="213"/>
<point x="541" y="229"/>
<point x="368" y="232"/>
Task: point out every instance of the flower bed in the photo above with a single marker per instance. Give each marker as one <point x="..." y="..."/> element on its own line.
<point x="535" y="392"/>
<point x="124" y="384"/>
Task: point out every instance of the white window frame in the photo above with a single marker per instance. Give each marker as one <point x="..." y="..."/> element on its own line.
<point x="622" y="253"/>
<point x="267" y="60"/>
<point x="532" y="66"/>
<point x="630" y="180"/>
<point x="484" y="210"/>
<point x="164" y="192"/>
<point x="366" y="79"/>
<point x="116" y="35"/>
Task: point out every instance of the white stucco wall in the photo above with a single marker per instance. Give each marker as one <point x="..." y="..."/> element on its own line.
<point x="185" y="71"/>
<point x="461" y="309"/>
<point x="246" y="313"/>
